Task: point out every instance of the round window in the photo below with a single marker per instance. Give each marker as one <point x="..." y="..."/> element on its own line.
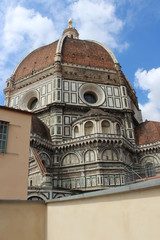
<point x="91" y="94"/>
<point x="29" y="100"/>
<point x="32" y="103"/>
<point x="90" y="97"/>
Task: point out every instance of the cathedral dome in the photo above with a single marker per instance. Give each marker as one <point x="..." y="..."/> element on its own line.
<point x="147" y="132"/>
<point x="40" y="129"/>
<point x="86" y="53"/>
<point x="70" y="50"/>
<point x="35" y="61"/>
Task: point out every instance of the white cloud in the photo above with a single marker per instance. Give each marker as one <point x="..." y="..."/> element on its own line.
<point x="23" y="30"/>
<point x="97" y="20"/>
<point x="150" y="81"/>
<point x="26" y="26"/>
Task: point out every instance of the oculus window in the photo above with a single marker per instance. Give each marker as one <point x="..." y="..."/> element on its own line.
<point x="91" y="94"/>
<point x="90" y="97"/>
<point x="32" y="103"/>
<point x="3" y="136"/>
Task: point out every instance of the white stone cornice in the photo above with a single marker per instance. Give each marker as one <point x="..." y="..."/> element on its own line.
<point x="148" y="147"/>
<point x="88" y="67"/>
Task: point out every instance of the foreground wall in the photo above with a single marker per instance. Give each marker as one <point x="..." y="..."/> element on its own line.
<point x="22" y="220"/>
<point x="125" y="215"/>
<point x="14" y="162"/>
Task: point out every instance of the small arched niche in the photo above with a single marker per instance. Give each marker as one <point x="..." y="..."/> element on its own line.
<point x="76" y="131"/>
<point x="88" y="128"/>
<point x="118" y="130"/>
<point x="106" y="127"/>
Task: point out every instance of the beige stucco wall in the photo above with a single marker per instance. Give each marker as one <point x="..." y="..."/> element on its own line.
<point x="125" y="216"/>
<point x="14" y="163"/>
<point x="128" y="215"/>
<point x="22" y="220"/>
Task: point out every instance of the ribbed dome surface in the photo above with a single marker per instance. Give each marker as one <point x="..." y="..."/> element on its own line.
<point x="86" y="53"/>
<point x="147" y="132"/>
<point x="40" y="129"/>
<point x="74" y="51"/>
<point x="36" y="60"/>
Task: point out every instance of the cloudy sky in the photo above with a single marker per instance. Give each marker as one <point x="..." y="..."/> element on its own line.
<point x="131" y="28"/>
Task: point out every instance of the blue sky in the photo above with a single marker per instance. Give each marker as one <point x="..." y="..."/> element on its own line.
<point x="131" y="28"/>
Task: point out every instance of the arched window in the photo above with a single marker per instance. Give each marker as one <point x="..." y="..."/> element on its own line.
<point x="110" y="155"/>
<point x="89" y="156"/>
<point x="106" y="127"/>
<point x="149" y="170"/>
<point x="149" y="163"/>
<point x="118" y="131"/>
<point x="76" y="131"/>
<point x="88" y="128"/>
<point x="70" y="159"/>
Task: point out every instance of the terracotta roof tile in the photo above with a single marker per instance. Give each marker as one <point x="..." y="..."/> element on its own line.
<point x="74" y="51"/>
<point x="147" y="132"/>
<point x="40" y="129"/>
<point x="86" y="53"/>
<point x="36" y="60"/>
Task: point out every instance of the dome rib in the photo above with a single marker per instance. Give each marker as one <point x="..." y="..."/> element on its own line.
<point x="71" y="50"/>
<point x="107" y="49"/>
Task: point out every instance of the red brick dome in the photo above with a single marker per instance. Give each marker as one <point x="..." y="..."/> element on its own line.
<point x="37" y="60"/>
<point x="40" y="129"/>
<point x="72" y="51"/>
<point x="86" y="53"/>
<point x="147" y="132"/>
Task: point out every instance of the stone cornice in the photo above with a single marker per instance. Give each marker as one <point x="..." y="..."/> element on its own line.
<point x="109" y="139"/>
<point x="36" y="76"/>
<point x="148" y="147"/>
<point x="94" y="139"/>
<point x="88" y="67"/>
